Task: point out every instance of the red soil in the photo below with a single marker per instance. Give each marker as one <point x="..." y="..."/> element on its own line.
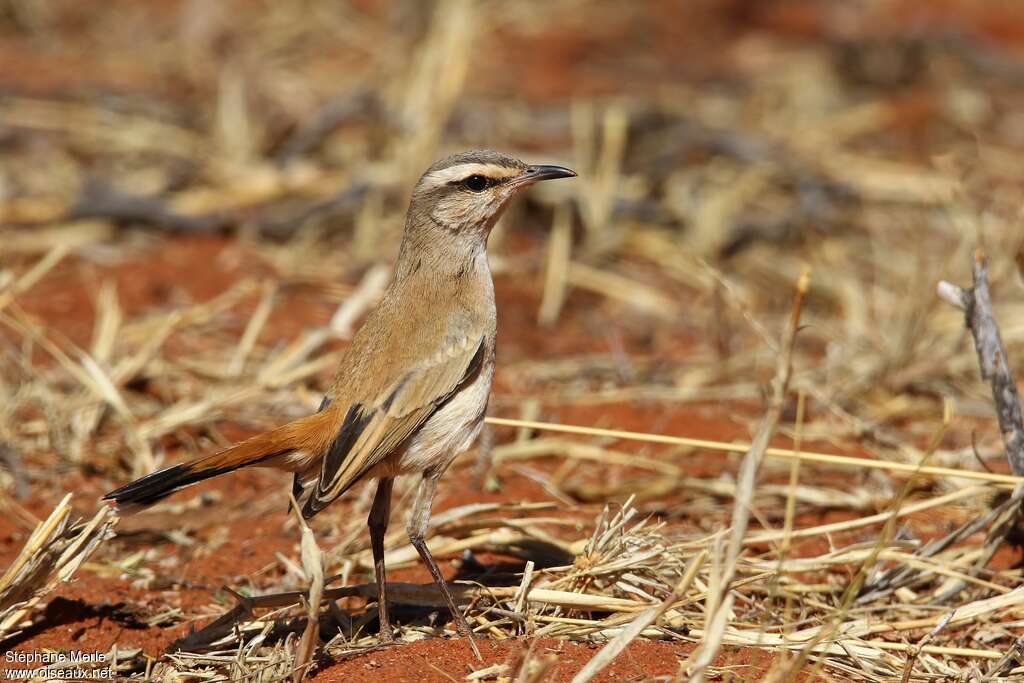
<point x="95" y="611"/>
<point x="247" y="526"/>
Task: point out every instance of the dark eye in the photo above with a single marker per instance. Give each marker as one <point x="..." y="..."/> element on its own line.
<point x="476" y="183"/>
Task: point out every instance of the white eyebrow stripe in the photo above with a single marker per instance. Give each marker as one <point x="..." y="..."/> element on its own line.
<point x="460" y="171"/>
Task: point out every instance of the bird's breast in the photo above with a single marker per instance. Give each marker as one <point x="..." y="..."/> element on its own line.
<point x="451" y="430"/>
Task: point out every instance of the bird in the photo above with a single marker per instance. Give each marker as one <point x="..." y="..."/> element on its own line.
<point x="411" y="390"/>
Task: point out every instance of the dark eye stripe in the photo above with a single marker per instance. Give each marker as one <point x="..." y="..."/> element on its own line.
<point x="491" y="182"/>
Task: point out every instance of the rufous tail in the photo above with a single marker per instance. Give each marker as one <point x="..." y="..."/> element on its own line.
<point x="309" y="435"/>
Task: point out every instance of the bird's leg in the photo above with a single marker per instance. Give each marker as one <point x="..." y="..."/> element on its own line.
<point x="419" y="520"/>
<point x="380" y="511"/>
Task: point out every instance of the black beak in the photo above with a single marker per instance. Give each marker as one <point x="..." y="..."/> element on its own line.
<point x="535" y="174"/>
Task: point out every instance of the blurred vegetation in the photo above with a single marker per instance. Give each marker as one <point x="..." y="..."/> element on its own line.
<point x="198" y="200"/>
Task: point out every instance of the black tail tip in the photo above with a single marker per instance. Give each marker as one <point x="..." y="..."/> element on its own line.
<point x="153" y="487"/>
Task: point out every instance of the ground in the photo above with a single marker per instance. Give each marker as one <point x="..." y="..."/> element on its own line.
<point x="760" y="138"/>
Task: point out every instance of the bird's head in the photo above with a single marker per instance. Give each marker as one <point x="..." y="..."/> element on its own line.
<point x="466" y="193"/>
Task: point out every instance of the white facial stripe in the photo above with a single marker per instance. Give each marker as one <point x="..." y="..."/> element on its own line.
<point x="460" y="171"/>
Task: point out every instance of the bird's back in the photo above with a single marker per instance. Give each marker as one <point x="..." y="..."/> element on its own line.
<point x="416" y="324"/>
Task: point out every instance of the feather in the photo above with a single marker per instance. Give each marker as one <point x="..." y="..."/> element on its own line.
<point x="270" y="448"/>
<point x="370" y="434"/>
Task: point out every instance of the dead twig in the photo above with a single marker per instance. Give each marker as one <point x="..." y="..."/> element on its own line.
<point x="976" y="303"/>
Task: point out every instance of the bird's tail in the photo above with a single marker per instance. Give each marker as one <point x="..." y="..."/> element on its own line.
<point x="290" y="447"/>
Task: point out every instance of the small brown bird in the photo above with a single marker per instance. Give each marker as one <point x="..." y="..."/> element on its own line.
<point x="411" y="390"/>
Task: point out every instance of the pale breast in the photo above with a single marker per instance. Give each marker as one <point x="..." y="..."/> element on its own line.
<point x="449" y="431"/>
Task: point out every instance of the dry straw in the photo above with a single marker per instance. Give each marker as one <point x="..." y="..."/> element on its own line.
<point x="669" y="263"/>
<point x="53" y="553"/>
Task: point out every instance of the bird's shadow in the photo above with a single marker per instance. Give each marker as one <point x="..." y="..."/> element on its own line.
<point x="362" y="620"/>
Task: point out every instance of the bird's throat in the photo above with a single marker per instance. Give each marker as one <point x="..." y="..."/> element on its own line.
<point x="429" y="248"/>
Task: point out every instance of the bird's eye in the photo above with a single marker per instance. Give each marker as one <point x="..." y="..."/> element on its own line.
<point x="476" y="183"/>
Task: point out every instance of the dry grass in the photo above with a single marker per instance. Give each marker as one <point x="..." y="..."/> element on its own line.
<point x="696" y="211"/>
<point x="52" y="554"/>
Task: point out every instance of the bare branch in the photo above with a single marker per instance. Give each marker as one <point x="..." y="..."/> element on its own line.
<point x="977" y="305"/>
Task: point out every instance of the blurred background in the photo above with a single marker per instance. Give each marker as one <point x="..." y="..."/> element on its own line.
<point x="199" y="201"/>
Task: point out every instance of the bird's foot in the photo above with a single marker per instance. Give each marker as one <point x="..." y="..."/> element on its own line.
<point x="386" y="636"/>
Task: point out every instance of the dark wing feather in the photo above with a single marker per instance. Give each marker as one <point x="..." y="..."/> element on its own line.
<point x="373" y="430"/>
<point x="298" y="490"/>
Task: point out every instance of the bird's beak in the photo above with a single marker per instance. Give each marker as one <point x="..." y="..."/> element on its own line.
<point x="535" y="174"/>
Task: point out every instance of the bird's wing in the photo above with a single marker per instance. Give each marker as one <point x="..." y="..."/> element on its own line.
<point x="373" y="428"/>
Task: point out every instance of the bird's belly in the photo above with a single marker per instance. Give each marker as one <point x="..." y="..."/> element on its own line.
<point x="449" y="431"/>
